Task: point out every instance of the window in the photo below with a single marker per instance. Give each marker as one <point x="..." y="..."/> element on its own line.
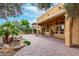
<point x="61" y="28"/>
<point x="47" y="28"/>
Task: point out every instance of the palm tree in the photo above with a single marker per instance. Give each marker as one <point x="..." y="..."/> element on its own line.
<point x="72" y="13"/>
<point x="17" y="23"/>
<point x="8" y="29"/>
<point x="25" y="26"/>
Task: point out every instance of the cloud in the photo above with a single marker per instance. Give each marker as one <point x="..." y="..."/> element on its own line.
<point x="30" y="13"/>
<point x="33" y="9"/>
<point x="32" y="21"/>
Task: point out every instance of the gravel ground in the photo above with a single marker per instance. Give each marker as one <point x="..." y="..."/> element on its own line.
<point x="46" y="46"/>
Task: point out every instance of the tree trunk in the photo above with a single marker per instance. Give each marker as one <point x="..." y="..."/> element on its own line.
<point x="10" y="39"/>
<point x="5" y="39"/>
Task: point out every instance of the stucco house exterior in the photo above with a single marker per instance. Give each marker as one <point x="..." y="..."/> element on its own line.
<point x="34" y="28"/>
<point x="54" y="23"/>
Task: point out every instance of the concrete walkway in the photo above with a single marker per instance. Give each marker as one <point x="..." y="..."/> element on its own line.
<point x="46" y="46"/>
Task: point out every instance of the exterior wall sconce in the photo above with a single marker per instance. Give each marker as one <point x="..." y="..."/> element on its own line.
<point x="59" y="7"/>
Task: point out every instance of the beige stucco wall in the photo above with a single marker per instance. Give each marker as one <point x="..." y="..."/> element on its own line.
<point x="75" y="32"/>
<point x="67" y="32"/>
<point x="50" y="12"/>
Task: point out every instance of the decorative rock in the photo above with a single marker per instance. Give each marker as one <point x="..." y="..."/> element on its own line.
<point x="1" y="44"/>
<point x="17" y="47"/>
<point x="21" y="45"/>
<point x="6" y="45"/>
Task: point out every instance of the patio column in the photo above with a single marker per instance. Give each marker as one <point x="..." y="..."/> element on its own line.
<point x="45" y="28"/>
<point x="50" y="32"/>
<point x="32" y="30"/>
<point x="42" y="30"/>
<point x="37" y="29"/>
<point x="59" y="29"/>
<point x="68" y="32"/>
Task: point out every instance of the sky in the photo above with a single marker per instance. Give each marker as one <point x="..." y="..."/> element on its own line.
<point x="29" y="12"/>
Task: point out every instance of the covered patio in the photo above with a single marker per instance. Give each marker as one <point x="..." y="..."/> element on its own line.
<point x="53" y="26"/>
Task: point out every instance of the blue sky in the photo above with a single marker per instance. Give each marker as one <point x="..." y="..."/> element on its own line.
<point x="30" y="12"/>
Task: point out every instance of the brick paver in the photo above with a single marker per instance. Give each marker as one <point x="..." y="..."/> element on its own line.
<point x="46" y="46"/>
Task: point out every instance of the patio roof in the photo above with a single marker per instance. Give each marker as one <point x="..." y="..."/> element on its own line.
<point x="54" y="16"/>
<point x="57" y="14"/>
<point x="49" y="10"/>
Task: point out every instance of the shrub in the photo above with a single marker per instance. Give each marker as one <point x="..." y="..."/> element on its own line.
<point x="27" y="42"/>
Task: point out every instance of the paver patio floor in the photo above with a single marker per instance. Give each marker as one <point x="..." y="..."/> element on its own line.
<point x="46" y="46"/>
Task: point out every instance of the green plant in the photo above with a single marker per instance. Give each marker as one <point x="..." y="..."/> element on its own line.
<point x="10" y="9"/>
<point x="8" y="29"/>
<point x="72" y="9"/>
<point x="27" y="42"/>
<point x="25" y="26"/>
